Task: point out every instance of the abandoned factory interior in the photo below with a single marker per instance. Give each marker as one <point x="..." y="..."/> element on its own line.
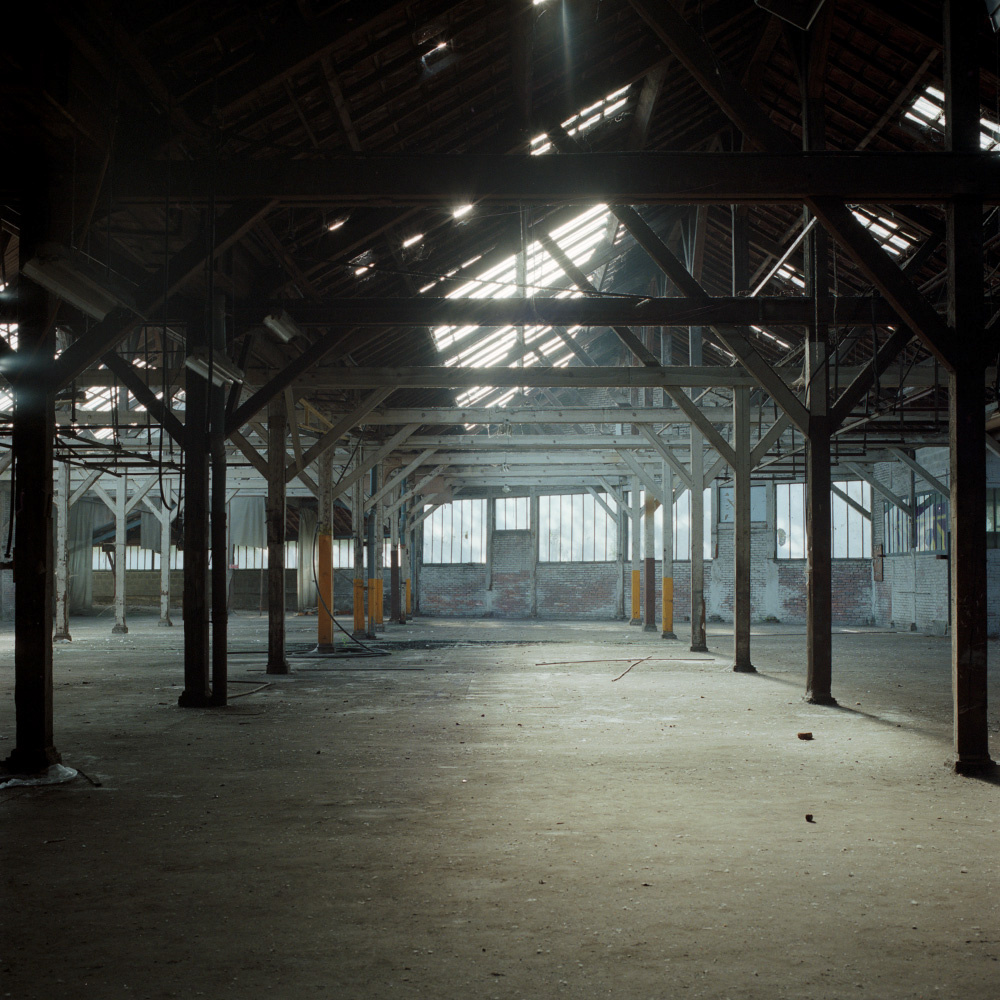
<point x="500" y="498"/>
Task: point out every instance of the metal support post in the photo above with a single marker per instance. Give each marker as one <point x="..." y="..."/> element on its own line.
<point x="649" y="564"/>
<point x="33" y="437"/>
<point x="396" y="612"/>
<point x="741" y="531"/>
<point x="667" y="554"/>
<point x="277" y="418"/>
<point x="62" y="553"/>
<point x="697" y="532"/>
<point x="120" y="626"/>
<point x="219" y="531"/>
<point x="635" y="534"/>
<point x="324" y="555"/>
<point x="966" y="402"/>
<point x="197" y="692"/>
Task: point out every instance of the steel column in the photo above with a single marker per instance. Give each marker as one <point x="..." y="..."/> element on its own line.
<point x="277" y="417"/>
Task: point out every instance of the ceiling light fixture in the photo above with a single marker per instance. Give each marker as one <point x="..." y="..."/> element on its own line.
<point x="282" y="326"/>
<point x="461" y="210"/>
<point x="413" y="239"/>
<point x="220" y="370"/>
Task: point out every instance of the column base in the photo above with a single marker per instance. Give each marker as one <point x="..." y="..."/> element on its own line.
<point x="278" y="667"/>
<point x="62" y="637"/>
<point x="744" y="668"/>
<point x="649" y="628"/>
<point x="190" y="699"/>
<point x="120" y="630"/>
<point x="165" y="623"/>
<point x="668" y="635"/>
<point x="975" y="766"/>
<point x="635" y="621"/>
<point x="699" y="649"/>
<point x="324" y="647"/>
<point x="821" y="699"/>
<point x="30" y="761"/>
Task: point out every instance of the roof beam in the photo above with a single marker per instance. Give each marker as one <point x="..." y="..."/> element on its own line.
<point x="689" y="309"/>
<point x="785" y="176"/>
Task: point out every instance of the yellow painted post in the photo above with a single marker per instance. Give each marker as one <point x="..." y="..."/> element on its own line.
<point x="409" y="603"/>
<point x="668" y="604"/>
<point x="379" y="618"/>
<point x="636" y="597"/>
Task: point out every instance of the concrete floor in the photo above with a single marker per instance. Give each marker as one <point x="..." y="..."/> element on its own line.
<point x="502" y="819"/>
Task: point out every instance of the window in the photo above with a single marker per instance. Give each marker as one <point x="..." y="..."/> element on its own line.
<point x="790" y="520"/>
<point x="727" y="504"/>
<point x="851" y="534"/>
<point x="682" y="527"/>
<point x="850" y="530"/>
<point x="576" y="528"/>
<point x="456" y="533"/>
<point x="993" y="519"/>
<point x="513" y="514"/>
<point x="896" y="530"/>
<point x="248" y="557"/>
<point x="931" y="522"/>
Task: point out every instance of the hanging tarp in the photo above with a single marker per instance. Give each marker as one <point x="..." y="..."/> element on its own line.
<point x="305" y="546"/>
<point x="84" y="516"/>
<point x="246" y="522"/>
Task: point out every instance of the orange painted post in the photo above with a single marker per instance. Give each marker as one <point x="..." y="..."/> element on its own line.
<point x="324" y="600"/>
<point x="359" y="606"/>
<point x="636" y="598"/>
<point x="668" y="604"/>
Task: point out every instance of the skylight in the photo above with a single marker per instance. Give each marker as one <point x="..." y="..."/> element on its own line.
<point x="927" y="111"/>
<point x="585" y="119"/>
<point x="891" y="237"/>
<point x="579" y="239"/>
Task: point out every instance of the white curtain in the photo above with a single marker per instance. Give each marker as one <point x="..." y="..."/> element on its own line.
<point x="306" y="555"/>
<point x="246" y="522"/>
<point x="84" y="515"/>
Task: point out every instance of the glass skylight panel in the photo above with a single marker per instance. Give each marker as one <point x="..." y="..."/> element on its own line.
<point x="888" y="232"/>
<point x="927" y="111"/>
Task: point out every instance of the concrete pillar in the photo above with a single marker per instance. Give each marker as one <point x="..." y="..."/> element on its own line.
<point x="635" y="614"/>
<point x="33" y="437"/>
<point x="62" y="485"/>
<point x="966" y="428"/>
<point x="274" y="516"/>
<point x="667" y="554"/>
<point x="197" y="692"/>
<point x="649" y="564"/>
<point x="324" y="555"/>
<point x="698" y="642"/>
<point x="741" y="531"/>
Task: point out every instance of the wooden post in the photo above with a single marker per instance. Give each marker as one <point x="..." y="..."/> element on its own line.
<point x="966" y="402"/>
<point x="277" y="417"/>
<point x="741" y="531"/>
<point x="219" y="534"/>
<point x="62" y="553"/>
<point x="358" y="531"/>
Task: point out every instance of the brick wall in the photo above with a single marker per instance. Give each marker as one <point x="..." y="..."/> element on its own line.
<point x="458" y="589"/>
<point x="577" y="590"/>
